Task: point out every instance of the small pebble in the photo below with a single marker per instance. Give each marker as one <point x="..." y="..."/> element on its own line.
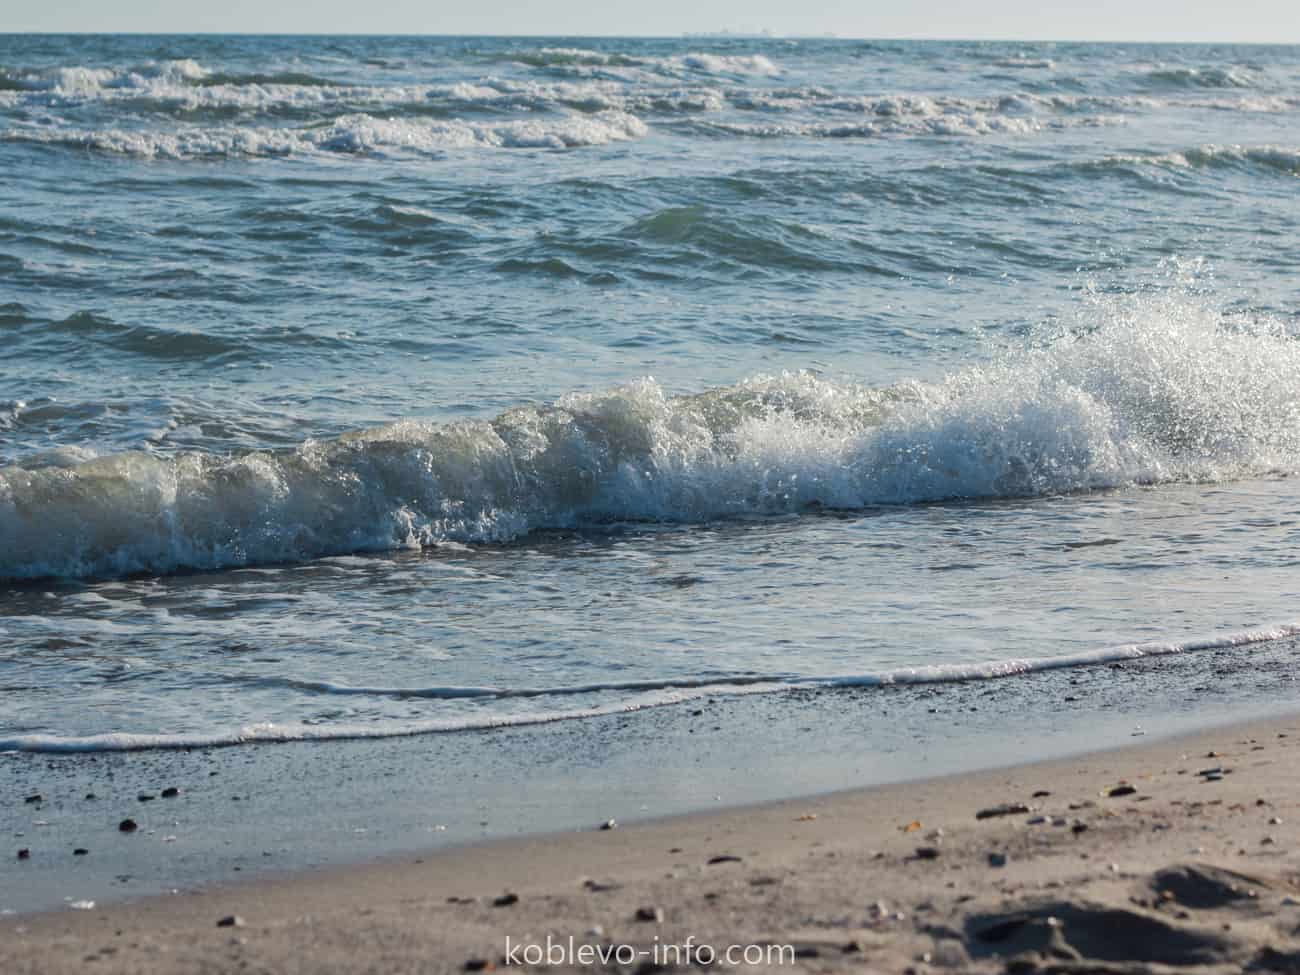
<point x="231" y="921"/>
<point x="36" y="798"/>
<point x="505" y="900"/>
<point x="24" y="854"/>
<point x="128" y="826"/>
<point x="927" y="853"/>
<point x="609" y="824"/>
<point x="171" y="792"/>
<point x="80" y="851"/>
<point x="650" y="914"/>
<point x="1006" y="809"/>
<point x="997" y="859"/>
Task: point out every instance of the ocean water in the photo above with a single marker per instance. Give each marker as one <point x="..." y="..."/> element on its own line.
<point x="386" y="386"/>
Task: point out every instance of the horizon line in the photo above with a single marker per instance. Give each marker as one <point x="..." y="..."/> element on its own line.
<point x="684" y="35"/>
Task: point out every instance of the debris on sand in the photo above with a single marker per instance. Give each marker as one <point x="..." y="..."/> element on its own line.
<point x="1006" y="809"/>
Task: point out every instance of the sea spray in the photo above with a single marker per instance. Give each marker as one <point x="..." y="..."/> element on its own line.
<point x="1148" y="390"/>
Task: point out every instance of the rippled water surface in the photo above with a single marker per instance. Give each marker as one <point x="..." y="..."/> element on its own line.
<point x="384" y="385"/>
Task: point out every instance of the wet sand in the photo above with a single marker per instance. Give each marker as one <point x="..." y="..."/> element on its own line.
<point x="1172" y="854"/>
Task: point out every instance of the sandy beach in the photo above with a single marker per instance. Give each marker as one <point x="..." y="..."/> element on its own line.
<point x="1166" y="854"/>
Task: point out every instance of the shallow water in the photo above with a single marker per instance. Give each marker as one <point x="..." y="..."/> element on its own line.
<point x="325" y="399"/>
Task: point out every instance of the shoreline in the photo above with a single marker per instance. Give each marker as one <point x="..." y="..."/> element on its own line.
<point x="267" y="810"/>
<point x="830" y="874"/>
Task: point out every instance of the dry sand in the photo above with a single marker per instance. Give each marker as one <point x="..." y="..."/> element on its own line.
<point x="1181" y="868"/>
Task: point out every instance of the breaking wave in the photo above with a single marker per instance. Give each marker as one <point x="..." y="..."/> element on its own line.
<point x="349" y="134"/>
<point x="1281" y="159"/>
<point x="78" y="80"/>
<point x="917" y="123"/>
<point x="1191" y="77"/>
<point x="1145" y="391"/>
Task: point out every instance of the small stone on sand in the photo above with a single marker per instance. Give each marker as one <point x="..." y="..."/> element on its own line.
<point x="231" y="921"/>
<point x="505" y="900"/>
<point x="128" y="826"/>
<point x="654" y="914"/>
<point x="1006" y="809"/>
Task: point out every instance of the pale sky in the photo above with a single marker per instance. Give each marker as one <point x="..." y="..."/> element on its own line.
<point x="1139" y="20"/>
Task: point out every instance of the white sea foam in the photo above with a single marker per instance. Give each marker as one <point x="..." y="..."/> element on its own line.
<point x="1148" y="390"/>
<point x="744" y="64"/>
<point x="1284" y="159"/>
<point x="639" y="85"/>
<point x="352" y="133"/>
<point x="650" y="694"/>
<point x="79" y="80"/>
<point x="903" y="123"/>
<point x="1181" y="76"/>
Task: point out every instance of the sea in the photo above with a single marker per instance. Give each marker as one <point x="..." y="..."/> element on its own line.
<point x="370" y="387"/>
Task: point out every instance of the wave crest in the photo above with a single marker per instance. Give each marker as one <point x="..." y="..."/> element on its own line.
<point x="1152" y="390"/>
<point x="348" y="134"/>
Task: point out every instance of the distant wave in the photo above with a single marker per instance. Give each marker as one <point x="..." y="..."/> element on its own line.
<point x="297" y="79"/>
<point x="690" y="62"/>
<point x="81" y="80"/>
<point x="349" y="134"/>
<point x="584" y="122"/>
<point x="649" y="694"/>
<point x="1281" y="159"/>
<point x="1026" y="63"/>
<point x="1150" y="391"/>
<point x="686" y="84"/>
<point x="952" y="124"/>
<point x="1207" y="77"/>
